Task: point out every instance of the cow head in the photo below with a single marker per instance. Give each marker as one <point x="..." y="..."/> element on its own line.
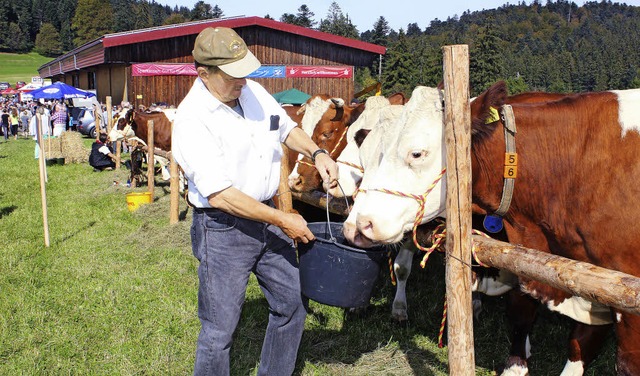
<point x="123" y="128"/>
<point x="350" y="172"/>
<point x="413" y="156"/>
<point x="325" y="120"/>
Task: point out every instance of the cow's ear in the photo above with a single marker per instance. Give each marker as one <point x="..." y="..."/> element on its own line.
<point x="355" y="114"/>
<point x="485" y="106"/>
<point x="360" y="135"/>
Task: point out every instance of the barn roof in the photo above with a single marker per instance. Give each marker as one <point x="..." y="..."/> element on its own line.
<point x="92" y="53"/>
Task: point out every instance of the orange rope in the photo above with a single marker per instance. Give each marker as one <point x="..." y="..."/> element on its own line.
<point x="442" y="323"/>
<point x="351" y="165"/>
<point x="391" y="273"/>
<point x="339" y="141"/>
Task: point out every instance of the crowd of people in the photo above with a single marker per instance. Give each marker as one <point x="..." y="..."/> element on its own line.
<point x="18" y="118"/>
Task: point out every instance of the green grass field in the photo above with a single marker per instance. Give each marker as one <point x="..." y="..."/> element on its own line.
<point x="116" y="294"/>
<point x="20" y="67"/>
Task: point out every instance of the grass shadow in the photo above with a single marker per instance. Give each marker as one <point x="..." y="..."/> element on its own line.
<point x="7" y="210"/>
<point x="79" y="231"/>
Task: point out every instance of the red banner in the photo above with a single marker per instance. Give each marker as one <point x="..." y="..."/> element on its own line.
<point x="150" y="69"/>
<point x="320" y="71"/>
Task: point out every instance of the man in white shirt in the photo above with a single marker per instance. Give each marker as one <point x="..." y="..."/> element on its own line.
<point x="226" y="137"/>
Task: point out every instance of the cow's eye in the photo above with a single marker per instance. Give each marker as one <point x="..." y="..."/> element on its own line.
<point x="415" y="157"/>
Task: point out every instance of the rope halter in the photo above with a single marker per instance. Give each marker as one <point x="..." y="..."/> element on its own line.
<point x="421" y="199"/>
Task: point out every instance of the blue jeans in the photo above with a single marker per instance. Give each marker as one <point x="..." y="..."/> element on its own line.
<point x="229" y="249"/>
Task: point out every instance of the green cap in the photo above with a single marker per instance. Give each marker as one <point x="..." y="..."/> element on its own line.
<point x="223" y="47"/>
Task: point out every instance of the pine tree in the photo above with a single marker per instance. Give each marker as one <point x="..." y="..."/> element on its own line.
<point x="485" y="66"/>
<point x="216" y="12"/>
<point x="142" y="14"/>
<point x="304" y="17"/>
<point x="380" y="31"/>
<point x="92" y="20"/>
<point x="201" y="11"/>
<point x="48" y="41"/>
<point x="338" y="24"/>
<point x="124" y="17"/>
<point x="397" y="71"/>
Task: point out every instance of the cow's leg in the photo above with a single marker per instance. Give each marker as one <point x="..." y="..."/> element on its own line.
<point x="628" y="336"/>
<point x="585" y="344"/>
<point x="402" y="268"/>
<point x="521" y="313"/>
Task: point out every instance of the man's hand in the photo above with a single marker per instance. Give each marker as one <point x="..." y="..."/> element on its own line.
<point x="328" y="170"/>
<point x="295" y="227"/>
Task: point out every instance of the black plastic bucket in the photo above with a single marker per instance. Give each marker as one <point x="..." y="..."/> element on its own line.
<point x="334" y="273"/>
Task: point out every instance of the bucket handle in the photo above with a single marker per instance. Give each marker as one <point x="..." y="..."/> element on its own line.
<point x="327" y="208"/>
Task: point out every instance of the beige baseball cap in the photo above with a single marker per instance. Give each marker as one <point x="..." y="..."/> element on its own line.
<point x="223" y="47"/>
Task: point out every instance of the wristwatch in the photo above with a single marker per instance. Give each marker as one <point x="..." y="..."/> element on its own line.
<point x="315" y="154"/>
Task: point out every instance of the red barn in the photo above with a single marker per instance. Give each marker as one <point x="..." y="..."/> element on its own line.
<point x="155" y="65"/>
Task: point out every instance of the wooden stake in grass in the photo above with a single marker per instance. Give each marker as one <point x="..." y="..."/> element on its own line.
<point x="151" y="179"/>
<point x="174" y="208"/>
<point x="43" y="189"/>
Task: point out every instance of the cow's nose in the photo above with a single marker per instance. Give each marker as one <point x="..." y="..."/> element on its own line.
<point x="296" y="183"/>
<point x="364" y="225"/>
<point x="349" y="231"/>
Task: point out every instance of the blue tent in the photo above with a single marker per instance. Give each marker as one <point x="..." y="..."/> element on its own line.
<point x="60" y="90"/>
<point x="291" y="96"/>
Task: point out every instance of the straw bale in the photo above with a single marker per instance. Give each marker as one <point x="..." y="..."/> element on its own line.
<point x="72" y="148"/>
<point x="52" y="147"/>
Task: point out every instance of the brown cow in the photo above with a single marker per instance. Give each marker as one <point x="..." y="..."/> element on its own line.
<point x="576" y="159"/>
<point x="326" y="120"/>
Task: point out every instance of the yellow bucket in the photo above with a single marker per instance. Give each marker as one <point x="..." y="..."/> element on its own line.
<point x="135" y="199"/>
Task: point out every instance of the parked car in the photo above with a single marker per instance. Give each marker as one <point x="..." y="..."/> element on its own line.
<point x="4" y="85"/>
<point x="20" y="84"/>
<point x="85" y="122"/>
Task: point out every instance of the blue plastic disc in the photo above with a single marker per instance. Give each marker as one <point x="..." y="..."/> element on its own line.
<point x="492" y="223"/>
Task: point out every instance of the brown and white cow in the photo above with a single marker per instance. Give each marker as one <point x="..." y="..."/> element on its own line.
<point x="134" y="129"/>
<point x="326" y="120"/>
<point x="365" y="150"/>
<point x="576" y="172"/>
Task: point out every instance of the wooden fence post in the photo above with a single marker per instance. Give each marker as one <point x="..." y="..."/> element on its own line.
<point x="285" y="200"/>
<point x="457" y="117"/>
<point x="109" y="115"/>
<point x="118" y="153"/>
<point x="151" y="179"/>
<point x="174" y="208"/>
<point x="97" y="115"/>
<point x="43" y="172"/>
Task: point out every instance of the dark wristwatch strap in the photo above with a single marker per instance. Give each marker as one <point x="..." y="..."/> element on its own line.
<point x="315" y="154"/>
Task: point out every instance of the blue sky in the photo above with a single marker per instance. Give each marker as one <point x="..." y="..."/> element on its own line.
<point x="363" y="14"/>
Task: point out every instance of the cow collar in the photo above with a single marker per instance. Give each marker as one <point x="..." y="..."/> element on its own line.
<point x="493" y="222"/>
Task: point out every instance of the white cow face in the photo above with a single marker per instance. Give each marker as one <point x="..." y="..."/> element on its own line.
<point x="413" y="157"/>
<point x="371" y="152"/>
<point x="349" y="176"/>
